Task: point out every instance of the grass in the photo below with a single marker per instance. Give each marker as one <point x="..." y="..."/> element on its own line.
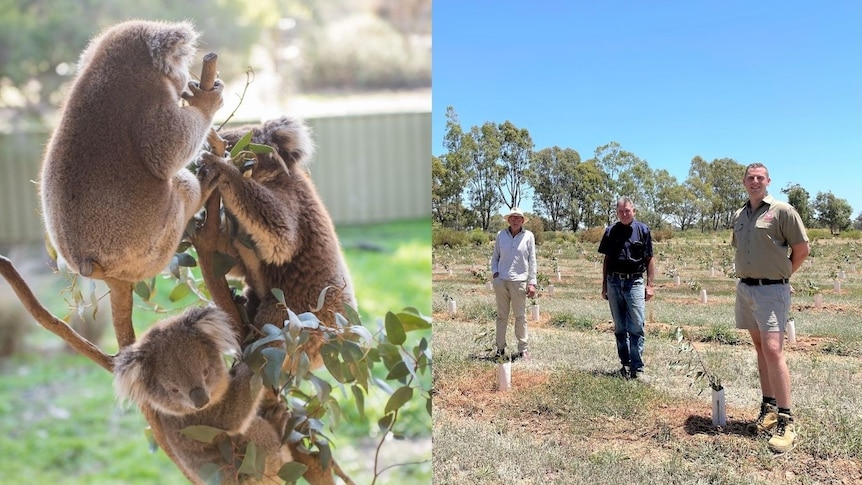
<point x="569" y="419"/>
<point x="61" y="423"/>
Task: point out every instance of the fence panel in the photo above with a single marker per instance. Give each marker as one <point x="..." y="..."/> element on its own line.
<point x="368" y="169"/>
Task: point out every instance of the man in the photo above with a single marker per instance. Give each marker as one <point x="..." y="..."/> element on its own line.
<point x="771" y="244"/>
<point x="513" y="265"/>
<point x="627" y="246"/>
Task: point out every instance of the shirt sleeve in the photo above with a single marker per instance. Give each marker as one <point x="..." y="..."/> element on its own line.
<point x="532" y="259"/>
<point x="495" y="256"/>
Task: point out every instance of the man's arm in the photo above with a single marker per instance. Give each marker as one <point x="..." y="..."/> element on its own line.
<point x="798" y="253"/>
<point x="650" y="278"/>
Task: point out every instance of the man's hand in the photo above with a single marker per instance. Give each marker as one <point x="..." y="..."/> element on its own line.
<point x="649" y="292"/>
<point x="531" y="290"/>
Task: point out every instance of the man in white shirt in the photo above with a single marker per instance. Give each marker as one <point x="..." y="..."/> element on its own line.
<point x="514" y="267"/>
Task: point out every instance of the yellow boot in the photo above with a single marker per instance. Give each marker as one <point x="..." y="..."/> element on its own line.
<point x="766" y="421"/>
<point x="784" y="435"/>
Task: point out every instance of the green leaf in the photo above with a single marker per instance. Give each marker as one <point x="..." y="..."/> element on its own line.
<point x="240" y="145"/>
<point x="394" y="329"/>
<point x="202" y="433"/>
<point x="292" y="472"/>
<point x="278" y="293"/>
<point x="259" y="149"/>
<point x="398" y="371"/>
<point x="222" y="264"/>
<point x="351" y="314"/>
<point x="272" y="368"/>
<point x="249" y="461"/>
<point x="399" y="398"/>
<point x="179" y="292"/>
<point x="174" y="267"/>
<point x="186" y="260"/>
<point x="210" y="473"/>
<point x="143" y="290"/>
<point x="384" y="423"/>
<point x="359" y="398"/>
<point x="323" y="388"/>
<point x="412" y="319"/>
<point x="330" y="353"/>
<point x="428" y="406"/>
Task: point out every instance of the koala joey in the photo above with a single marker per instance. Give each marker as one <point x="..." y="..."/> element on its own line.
<point x="294" y="244"/>
<point x="115" y="193"/>
<point x="176" y="370"/>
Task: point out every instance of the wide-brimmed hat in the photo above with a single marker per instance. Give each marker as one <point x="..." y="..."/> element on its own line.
<point x="515" y="212"/>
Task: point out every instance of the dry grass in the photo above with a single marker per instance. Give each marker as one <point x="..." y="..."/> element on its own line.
<point x="568" y="419"/>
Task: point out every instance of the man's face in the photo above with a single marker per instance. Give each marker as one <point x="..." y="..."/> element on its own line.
<point x="516" y="222"/>
<point x="756" y="181"/>
<point x="625" y="213"/>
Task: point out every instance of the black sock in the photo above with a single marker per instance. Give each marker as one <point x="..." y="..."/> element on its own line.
<point x="784" y="411"/>
<point x="770" y="400"/>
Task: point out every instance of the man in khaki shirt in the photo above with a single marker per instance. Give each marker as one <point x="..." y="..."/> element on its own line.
<point x="771" y="244"/>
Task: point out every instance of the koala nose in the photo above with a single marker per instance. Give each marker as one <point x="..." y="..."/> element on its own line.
<point x="199" y="397"/>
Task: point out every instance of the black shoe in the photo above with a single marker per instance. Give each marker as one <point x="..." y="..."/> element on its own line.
<point x="624" y="372"/>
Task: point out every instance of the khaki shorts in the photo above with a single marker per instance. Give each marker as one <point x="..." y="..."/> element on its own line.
<point x="762" y="307"/>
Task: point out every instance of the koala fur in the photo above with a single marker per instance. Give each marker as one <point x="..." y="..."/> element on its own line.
<point x="177" y="371"/>
<point x="296" y="248"/>
<point x="115" y="193"/>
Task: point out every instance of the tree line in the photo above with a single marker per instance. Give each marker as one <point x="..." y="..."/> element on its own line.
<point x="495" y="165"/>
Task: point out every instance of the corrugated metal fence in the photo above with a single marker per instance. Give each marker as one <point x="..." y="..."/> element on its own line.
<point x="368" y="168"/>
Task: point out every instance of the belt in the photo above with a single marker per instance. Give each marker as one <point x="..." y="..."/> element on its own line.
<point x="627" y="276"/>
<point x="760" y="282"/>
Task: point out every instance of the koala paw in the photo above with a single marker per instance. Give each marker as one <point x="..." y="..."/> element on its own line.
<point x="208" y="101"/>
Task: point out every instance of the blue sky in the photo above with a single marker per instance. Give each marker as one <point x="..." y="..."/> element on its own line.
<point x="756" y="81"/>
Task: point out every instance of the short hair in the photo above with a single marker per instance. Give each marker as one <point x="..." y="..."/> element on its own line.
<point x="755" y="165"/>
<point x="625" y="200"/>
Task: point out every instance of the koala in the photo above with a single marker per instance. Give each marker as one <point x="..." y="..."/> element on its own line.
<point x="295" y="247"/>
<point x="177" y="372"/>
<point x="115" y="193"/>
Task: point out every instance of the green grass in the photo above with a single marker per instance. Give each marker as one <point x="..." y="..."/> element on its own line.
<point x="61" y="423"/>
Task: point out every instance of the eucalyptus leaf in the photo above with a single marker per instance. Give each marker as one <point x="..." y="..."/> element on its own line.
<point x="411" y="319"/>
<point x="398" y="398"/>
<point x="179" y="292"/>
<point x="394" y="329"/>
<point x="250" y="461"/>
<point x="143" y="290"/>
<point x="259" y="149"/>
<point x="222" y="264"/>
<point x="272" y="368"/>
<point x="240" y="145"/>
<point x="359" y="399"/>
<point x="278" y="293"/>
<point x="291" y="472"/>
<point x="202" y="433"/>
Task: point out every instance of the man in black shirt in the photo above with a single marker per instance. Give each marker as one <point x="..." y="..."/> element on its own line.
<point x="627" y="246"/>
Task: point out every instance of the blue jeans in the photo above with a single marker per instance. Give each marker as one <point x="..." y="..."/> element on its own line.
<point x="626" y="299"/>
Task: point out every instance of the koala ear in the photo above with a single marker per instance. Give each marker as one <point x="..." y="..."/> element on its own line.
<point x="216" y="325"/>
<point x="173" y="46"/>
<point x="128" y="382"/>
<point x="292" y="138"/>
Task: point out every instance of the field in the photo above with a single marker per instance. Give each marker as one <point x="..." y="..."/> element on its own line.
<point x="568" y="419"/>
<point x="61" y="424"/>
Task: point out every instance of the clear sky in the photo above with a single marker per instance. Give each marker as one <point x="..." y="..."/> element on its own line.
<point x="777" y="82"/>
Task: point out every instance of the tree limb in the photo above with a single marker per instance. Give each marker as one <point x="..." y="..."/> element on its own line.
<point x="49" y="321"/>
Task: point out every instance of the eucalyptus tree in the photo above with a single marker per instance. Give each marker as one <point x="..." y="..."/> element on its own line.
<point x="484" y="174"/>
<point x="658" y="196"/>
<point x="699" y="183"/>
<point x="622" y="170"/>
<point x="728" y="192"/>
<point x="553" y="177"/>
<point x="682" y="206"/>
<point x="799" y="198"/>
<point x="516" y="148"/>
<point x="449" y="173"/>
<point x="832" y="212"/>
<point x="589" y="196"/>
